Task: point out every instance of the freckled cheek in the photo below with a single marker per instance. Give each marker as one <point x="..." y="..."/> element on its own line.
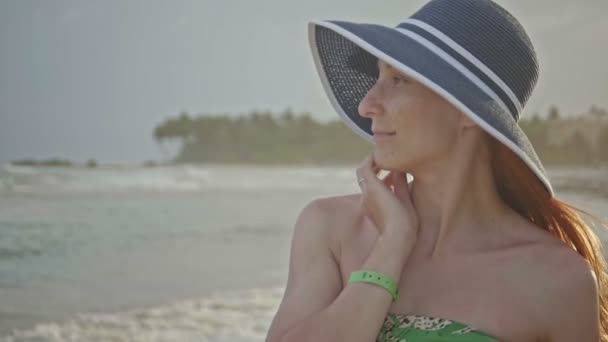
<point x="408" y="107"/>
<point x="408" y="132"/>
<point x="409" y="112"/>
<point x="416" y="131"/>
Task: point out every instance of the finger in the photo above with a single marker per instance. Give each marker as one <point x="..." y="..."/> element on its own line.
<point x="375" y="167"/>
<point x="398" y="179"/>
<point x="388" y="179"/>
<point x="361" y="168"/>
<point x="368" y="174"/>
<point x="360" y="180"/>
<point x="361" y="174"/>
<point x="401" y="186"/>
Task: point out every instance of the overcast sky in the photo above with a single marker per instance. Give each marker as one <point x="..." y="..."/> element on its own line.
<point x="86" y="79"/>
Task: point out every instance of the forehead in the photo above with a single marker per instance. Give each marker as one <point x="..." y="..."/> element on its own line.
<point x="390" y="70"/>
<point x="382" y="64"/>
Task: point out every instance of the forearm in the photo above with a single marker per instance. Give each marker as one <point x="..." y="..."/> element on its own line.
<point x="359" y="310"/>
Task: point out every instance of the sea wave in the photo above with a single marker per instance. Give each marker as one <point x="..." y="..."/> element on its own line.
<point x="196" y="178"/>
<point x="180" y="178"/>
<point x="227" y="316"/>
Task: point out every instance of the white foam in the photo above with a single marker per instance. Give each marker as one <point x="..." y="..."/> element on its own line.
<point x="229" y="316"/>
<point x="181" y="178"/>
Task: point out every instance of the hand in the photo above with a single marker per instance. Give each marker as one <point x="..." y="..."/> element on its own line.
<point x="387" y="202"/>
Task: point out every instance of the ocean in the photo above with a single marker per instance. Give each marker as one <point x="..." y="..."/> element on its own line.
<point x="167" y="253"/>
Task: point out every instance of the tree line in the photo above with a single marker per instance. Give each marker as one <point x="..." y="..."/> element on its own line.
<point x="579" y="147"/>
<point x="261" y="137"/>
<point x="287" y="137"/>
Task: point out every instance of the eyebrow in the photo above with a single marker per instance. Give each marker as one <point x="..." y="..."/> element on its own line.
<point x="390" y="67"/>
<point x="379" y="62"/>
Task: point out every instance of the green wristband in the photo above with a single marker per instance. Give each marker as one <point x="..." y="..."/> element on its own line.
<point x="376" y="278"/>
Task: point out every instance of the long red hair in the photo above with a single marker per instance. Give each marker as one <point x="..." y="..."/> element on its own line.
<point x="521" y="190"/>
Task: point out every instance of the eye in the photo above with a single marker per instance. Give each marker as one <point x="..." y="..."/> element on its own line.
<point x="397" y="79"/>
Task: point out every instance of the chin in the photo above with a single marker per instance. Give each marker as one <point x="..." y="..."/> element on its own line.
<point x="386" y="161"/>
<point x="391" y="161"/>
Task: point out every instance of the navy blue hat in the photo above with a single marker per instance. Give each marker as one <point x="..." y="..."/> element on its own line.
<point x="471" y="52"/>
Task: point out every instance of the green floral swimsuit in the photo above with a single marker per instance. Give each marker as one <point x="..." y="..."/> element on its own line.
<point x="419" y="328"/>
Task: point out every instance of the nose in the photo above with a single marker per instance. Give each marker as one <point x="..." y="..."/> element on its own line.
<point x="370" y="105"/>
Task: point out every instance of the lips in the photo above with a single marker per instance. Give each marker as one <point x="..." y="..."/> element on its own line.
<point x="380" y="137"/>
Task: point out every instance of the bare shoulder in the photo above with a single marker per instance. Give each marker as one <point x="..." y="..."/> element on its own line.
<point x="314" y="279"/>
<point x="335" y="209"/>
<point x="337" y="204"/>
<point x="341" y="215"/>
<point x="561" y="265"/>
<point x="562" y="286"/>
<point x="550" y="259"/>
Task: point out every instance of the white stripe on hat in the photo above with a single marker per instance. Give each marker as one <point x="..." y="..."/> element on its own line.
<point x="466" y="54"/>
<point x="456" y="64"/>
<point x="417" y="76"/>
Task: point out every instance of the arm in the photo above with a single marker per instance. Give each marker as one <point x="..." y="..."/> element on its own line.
<point x="575" y="303"/>
<point x="314" y="305"/>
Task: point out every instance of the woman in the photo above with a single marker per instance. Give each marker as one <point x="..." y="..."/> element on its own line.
<point x="476" y="247"/>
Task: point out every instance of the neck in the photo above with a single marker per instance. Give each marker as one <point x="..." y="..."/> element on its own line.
<point x="457" y="202"/>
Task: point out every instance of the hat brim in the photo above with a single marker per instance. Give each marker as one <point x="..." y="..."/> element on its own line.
<point x="345" y="56"/>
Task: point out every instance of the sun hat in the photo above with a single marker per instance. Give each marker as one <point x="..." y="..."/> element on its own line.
<point x="473" y="53"/>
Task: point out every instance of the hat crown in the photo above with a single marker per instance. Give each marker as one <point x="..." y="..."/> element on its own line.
<point x="489" y="33"/>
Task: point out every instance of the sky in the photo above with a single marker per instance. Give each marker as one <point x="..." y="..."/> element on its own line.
<point x="84" y="79"/>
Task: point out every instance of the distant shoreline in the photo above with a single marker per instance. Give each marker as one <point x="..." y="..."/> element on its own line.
<point x="65" y="163"/>
<point x="588" y="179"/>
<point x="91" y="163"/>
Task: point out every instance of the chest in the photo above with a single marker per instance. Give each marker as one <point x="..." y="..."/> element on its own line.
<point x="485" y="292"/>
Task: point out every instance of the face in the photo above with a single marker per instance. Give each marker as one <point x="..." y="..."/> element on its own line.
<point x="425" y="125"/>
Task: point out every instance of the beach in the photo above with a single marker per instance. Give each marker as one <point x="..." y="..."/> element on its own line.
<point x="168" y="253"/>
